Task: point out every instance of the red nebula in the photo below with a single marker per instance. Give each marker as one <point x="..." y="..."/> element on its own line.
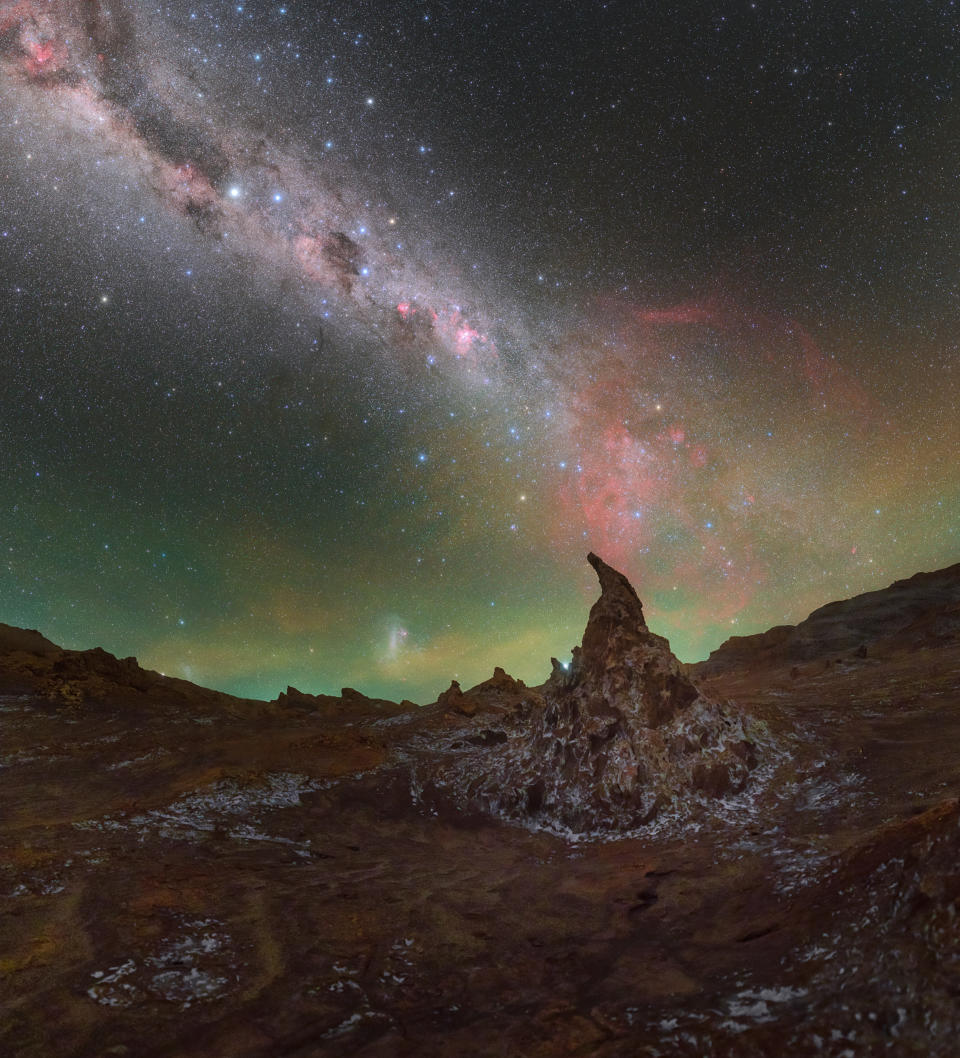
<point x="43" y="59"/>
<point x="630" y="496"/>
<point x="465" y="340"/>
<point x="826" y="378"/>
<point x="766" y="344"/>
<point x="726" y="577"/>
<point x="414" y="325"/>
<point x="619" y="477"/>
<point x="451" y="328"/>
<point x="466" y="336"/>
<point x="406" y="310"/>
<point x="11" y="14"/>
<point x="41" y="56"/>
<point x="40" y="53"/>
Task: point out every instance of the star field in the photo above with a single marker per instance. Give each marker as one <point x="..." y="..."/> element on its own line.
<point x="335" y="335"/>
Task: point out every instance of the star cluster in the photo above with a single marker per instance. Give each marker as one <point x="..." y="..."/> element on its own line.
<point x="335" y="334"/>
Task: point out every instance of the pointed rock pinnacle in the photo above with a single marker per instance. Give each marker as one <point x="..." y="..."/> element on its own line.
<point x="616" y="592"/>
<point x="605" y="744"/>
<point x="621" y="665"/>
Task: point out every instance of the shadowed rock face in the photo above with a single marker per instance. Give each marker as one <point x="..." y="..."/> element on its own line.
<point x="621" y="666"/>
<point x="922" y="611"/>
<point x="606" y="744"/>
<point x="75" y="676"/>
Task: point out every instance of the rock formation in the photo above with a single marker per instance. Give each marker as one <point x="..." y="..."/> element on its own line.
<point x="921" y="611"/>
<point x="349" y="704"/>
<point x="186" y="873"/>
<point x="603" y="745"/>
<point x="30" y="661"/>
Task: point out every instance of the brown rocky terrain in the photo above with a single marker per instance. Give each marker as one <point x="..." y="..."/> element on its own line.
<point x="754" y="856"/>
<point x="910" y="614"/>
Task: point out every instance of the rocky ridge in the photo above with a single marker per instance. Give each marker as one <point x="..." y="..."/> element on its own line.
<point x="920" y="611"/>
<point x="32" y="662"/>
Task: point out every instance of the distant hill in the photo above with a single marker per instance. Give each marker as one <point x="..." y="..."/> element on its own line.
<point x="922" y="611"/>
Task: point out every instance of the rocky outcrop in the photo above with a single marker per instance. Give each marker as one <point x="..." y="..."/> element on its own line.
<point x="498" y="695"/>
<point x="350" y="704"/>
<point x="621" y="667"/>
<point x="454" y="700"/>
<point x="922" y="611"/>
<point x="72" y="677"/>
<point x="26" y="641"/>
<point x="291" y="698"/>
<point x="605" y="744"/>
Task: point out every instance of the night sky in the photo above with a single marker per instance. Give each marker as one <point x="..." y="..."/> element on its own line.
<point x="334" y="335"/>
